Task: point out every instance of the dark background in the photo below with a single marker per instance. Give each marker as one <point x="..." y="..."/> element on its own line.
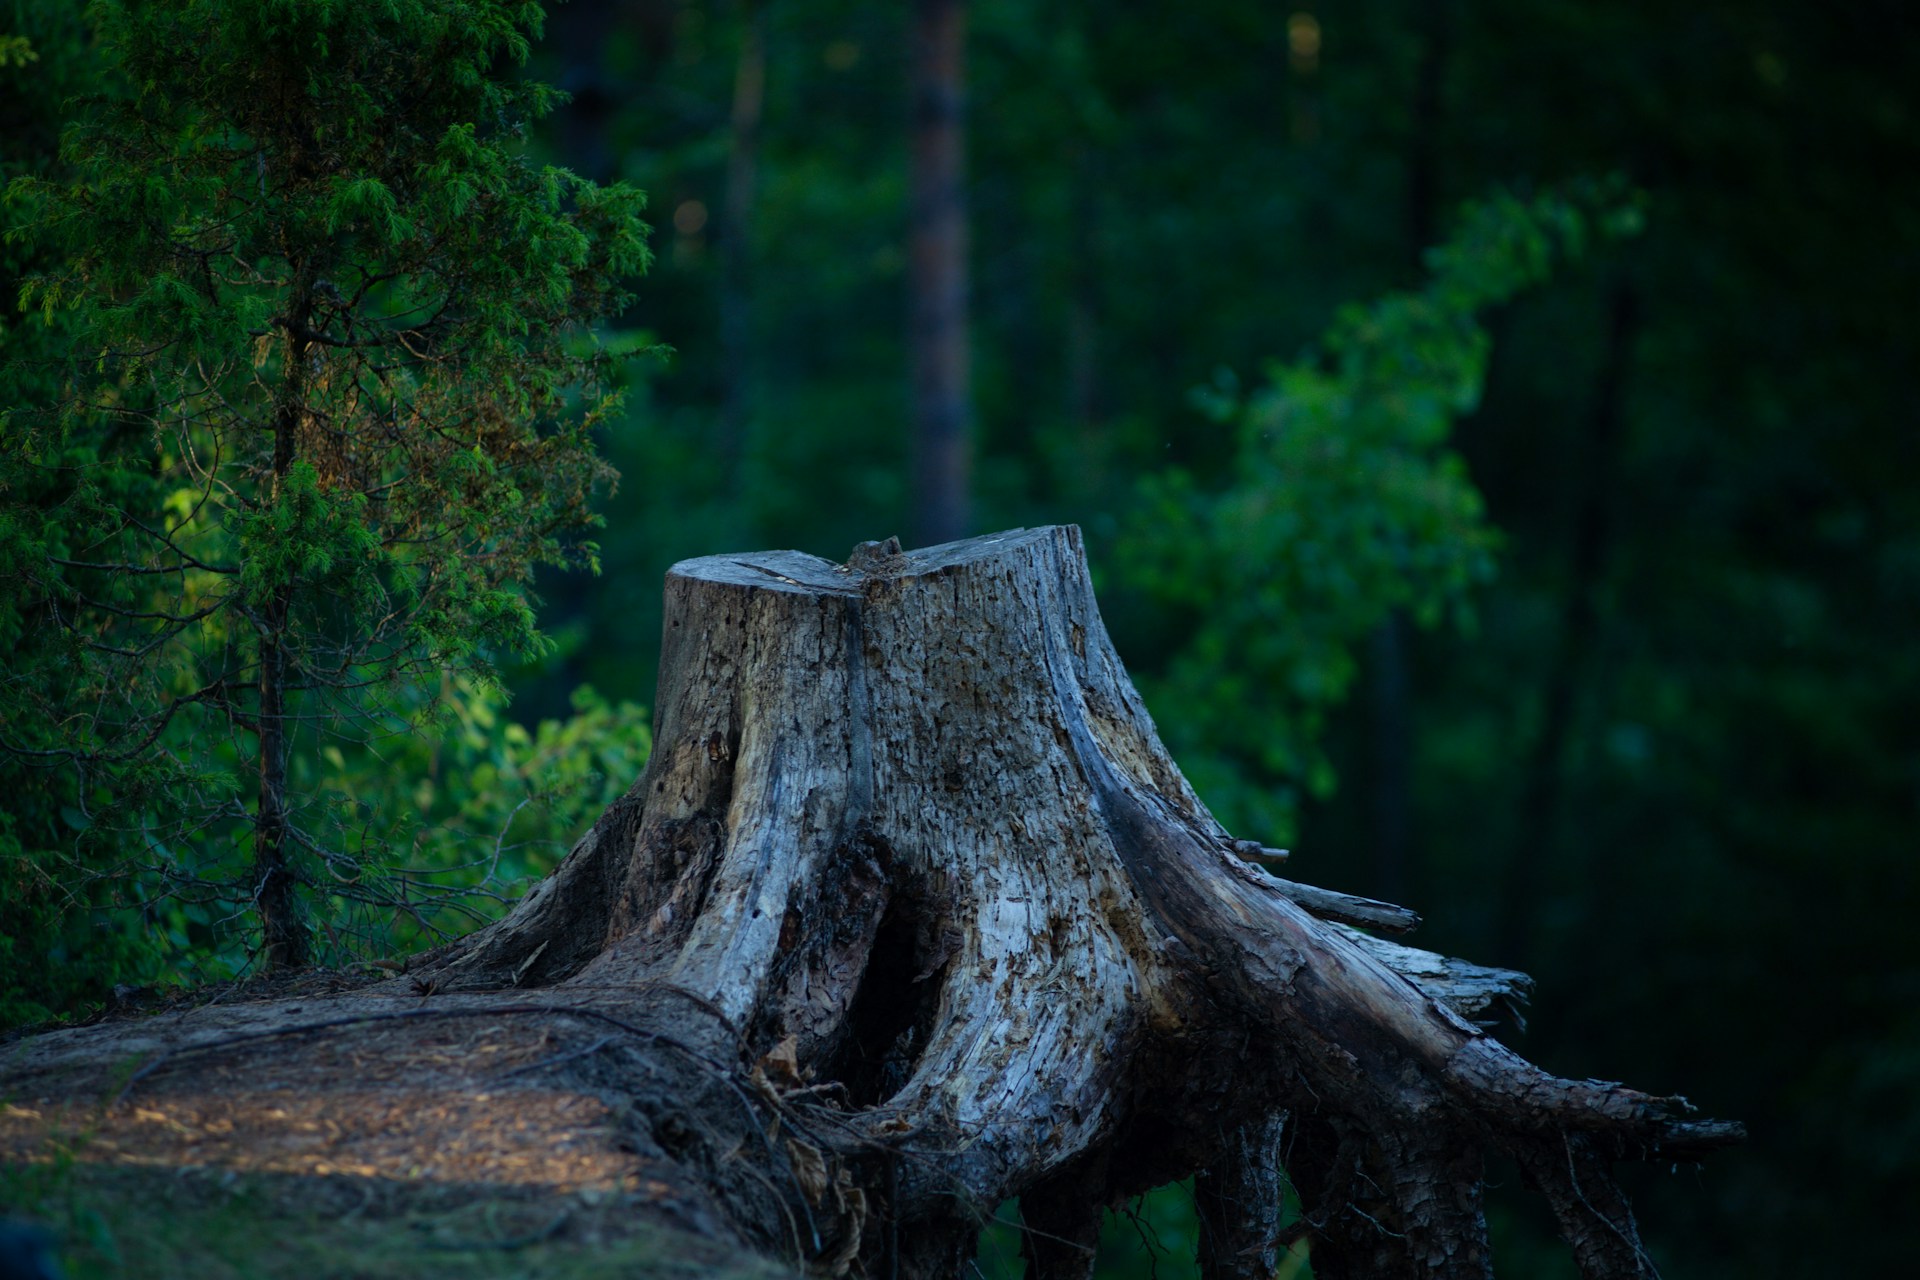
<point x="1673" y="771"/>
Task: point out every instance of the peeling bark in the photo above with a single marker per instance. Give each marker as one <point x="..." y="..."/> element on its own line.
<point x="912" y="912"/>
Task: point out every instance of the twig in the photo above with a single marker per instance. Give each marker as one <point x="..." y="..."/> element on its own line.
<point x="1573" y="1183"/>
<point x="557" y="1059"/>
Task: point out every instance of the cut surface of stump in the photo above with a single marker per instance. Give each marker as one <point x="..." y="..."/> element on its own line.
<point x="911" y="911"/>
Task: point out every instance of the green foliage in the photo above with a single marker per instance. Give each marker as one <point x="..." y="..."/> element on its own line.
<point x="475" y="805"/>
<point x="310" y="397"/>
<point x="1345" y="502"/>
<point x="111" y="1219"/>
<point x="64" y="941"/>
<point x="62" y="946"/>
<point x="425" y="828"/>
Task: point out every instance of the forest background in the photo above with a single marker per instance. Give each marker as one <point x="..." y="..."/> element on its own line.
<point x="1639" y="721"/>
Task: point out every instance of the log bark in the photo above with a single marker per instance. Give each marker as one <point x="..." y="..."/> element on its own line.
<point x="912" y="912"/>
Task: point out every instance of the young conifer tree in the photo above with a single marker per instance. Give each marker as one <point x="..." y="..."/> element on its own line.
<point x="330" y="404"/>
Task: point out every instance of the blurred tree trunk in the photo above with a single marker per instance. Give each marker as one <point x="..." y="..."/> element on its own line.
<point x="736" y="242"/>
<point x="1392" y="765"/>
<point x="1081" y="363"/>
<point x="1392" y="719"/>
<point x="1592" y="535"/>
<point x="940" y="357"/>
<point x="285" y="939"/>
<point x="1435" y="25"/>
<point x="578" y="32"/>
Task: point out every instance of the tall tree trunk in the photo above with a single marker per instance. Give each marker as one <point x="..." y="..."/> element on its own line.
<point x="1391" y="781"/>
<point x="284" y="935"/>
<point x="941" y="356"/>
<point x="1081" y="358"/>
<point x="577" y="34"/>
<point x="284" y="940"/>
<point x="1579" y="624"/>
<point x="736" y="241"/>
<point x="1391" y="790"/>
<point x="1435" y="23"/>
<point x="1082" y="355"/>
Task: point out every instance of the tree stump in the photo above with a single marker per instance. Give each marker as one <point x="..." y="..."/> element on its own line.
<point x="911" y="912"/>
<point x="910" y="836"/>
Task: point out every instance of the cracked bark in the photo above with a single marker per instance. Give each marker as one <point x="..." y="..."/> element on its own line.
<point x="911" y="912"/>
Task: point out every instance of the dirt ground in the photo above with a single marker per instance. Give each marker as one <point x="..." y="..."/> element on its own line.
<point x="279" y="1140"/>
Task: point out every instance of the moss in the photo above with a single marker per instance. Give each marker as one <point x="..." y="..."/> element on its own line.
<point x="203" y="1224"/>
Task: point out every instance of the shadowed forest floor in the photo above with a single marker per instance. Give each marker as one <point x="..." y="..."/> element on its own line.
<point x="412" y="1150"/>
<point x="201" y="1223"/>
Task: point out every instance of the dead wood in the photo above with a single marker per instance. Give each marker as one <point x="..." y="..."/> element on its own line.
<point x="911" y="911"/>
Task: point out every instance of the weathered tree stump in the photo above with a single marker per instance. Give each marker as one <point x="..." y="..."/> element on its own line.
<point x="911" y="912"/>
<point x="909" y="830"/>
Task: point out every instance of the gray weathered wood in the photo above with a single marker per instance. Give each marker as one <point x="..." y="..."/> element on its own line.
<point x="910" y="815"/>
<point x="910" y="862"/>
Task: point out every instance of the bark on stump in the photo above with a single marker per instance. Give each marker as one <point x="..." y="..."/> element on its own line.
<point x="911" y="912"/>
<point x="962" y="931"/>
